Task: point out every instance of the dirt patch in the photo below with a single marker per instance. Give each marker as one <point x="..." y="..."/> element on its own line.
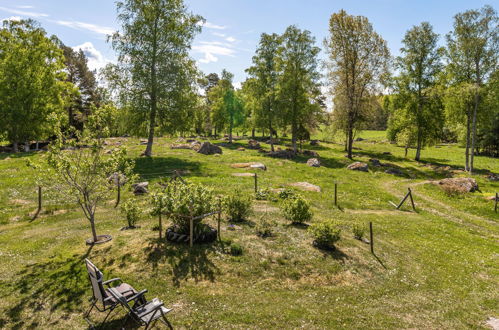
<point x="305" y="186"/>
<point x="20" y="201"/>
<point x="243" y="174"/>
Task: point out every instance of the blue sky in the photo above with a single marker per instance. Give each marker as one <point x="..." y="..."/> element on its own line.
<point x="233" y="27"/>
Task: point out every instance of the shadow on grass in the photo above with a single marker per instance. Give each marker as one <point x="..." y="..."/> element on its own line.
<point x="335" y="253"/>
<point x="185" y="262"/>
<point x="157" y="167"/>
<point x="4" y="155"/>
<point x="57" y="284"/>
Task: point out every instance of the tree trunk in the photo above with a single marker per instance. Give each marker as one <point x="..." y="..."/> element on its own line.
<point x="473" y="136"/>
<point x="150" y="139"/>
<point x="293" y="137"/>
<point x="406" y="150"/>
<point x="350" y="142"/>
<point x="26" y="146"/>
<point x="468" y="138"/>
<point x="418" y="148"/>
<point x="253" y="133"/>
<point x="271" y="137"/>
<point x="230" y="129"/>
<point x="154" y="100"/>
<point x="15" y="146"/>
<point x="92" y="225"/>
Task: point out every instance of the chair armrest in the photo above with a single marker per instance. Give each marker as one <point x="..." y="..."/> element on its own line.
<point x="138" y="295"/>
<point x="112" y="280"/>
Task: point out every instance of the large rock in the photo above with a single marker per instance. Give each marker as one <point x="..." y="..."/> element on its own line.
<point x="459" y="184"/>
<point x="249" y="165"/>
<point x="209" y="149"/>
<point x="140" y="188"/>
<point x="287" y="154"/>
<point x="310" y="153"/>
<point x="306" y="186"/>
<point x="493" y="177"/>
<point x="358" y="166"/>
<point x="180" y="146"/>
<point x="143" y="141"/>
<point x="314" y="162"/>
<point x="253" y="144"/>
<point x="195" y="145"/>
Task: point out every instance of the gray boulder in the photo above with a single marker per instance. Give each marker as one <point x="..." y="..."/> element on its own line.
<point x="209" y="149"/>
<point x="358" y="166"/>
<point x="313" y="162"/>
<point x="140" y="188"/>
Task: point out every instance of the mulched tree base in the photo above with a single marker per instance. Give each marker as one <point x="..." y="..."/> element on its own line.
<point x="207" y="237"/>
<point x="100" y="239"/>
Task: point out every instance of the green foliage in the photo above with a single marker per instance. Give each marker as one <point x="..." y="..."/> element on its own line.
<point x="265" y="195"/>
<point x="104" y="120"/>
<point x="131" y="211"/>
<point x="265" y="226"/>
<point x="237" y="207"/>
<point x="33" y="93"/>
<point x="236" y="249"/>
<point x="358" y="231"/>
<point x="296" y="209"/>
<point x="287" y="193"/>
<point x="179" y="201"/>
<point x="325" y="233"/>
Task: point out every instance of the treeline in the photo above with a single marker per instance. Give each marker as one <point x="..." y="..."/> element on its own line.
<point x="428" y="94"/>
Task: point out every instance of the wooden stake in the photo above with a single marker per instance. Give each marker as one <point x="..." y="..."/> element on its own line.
<point x="371" y="237"/>
<point x="39" y="199"/>
<point x="412" y="200"/>
<point x="497" y="197"/>
<point x="219" y="217"/>
<point x="256" y="183"/>
<point x="119" y="193"/>
<point x="336" y="194"/>
<point x="403" y="200"/>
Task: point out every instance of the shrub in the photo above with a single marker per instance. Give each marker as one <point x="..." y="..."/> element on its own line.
<point x="179" y="201"/>
<point x="236" y="249"/>
<point x="131" y="211"/>
<point x="265" y="195"/>
<point x="286" y="193"/>
<point x="265" y="227"/>
<point x="236" y="207"/>
<point x="296" y="209"/>
<point x="325" y="234"/>
<point x="358" y="231"/>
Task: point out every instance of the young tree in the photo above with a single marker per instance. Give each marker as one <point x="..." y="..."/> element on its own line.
<point x="32" y="87"/>
<point x="473" y="52"/>
<point x="419" y="66"/>
<point x="153" y="55"/>
<point x="265" y="74"/>
<point x="358" y="60"/>
<point x="298" y="89"/>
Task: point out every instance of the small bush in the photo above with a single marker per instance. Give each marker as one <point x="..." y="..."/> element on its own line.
<point x="236" y="249"/>
<point x="325" y="234"/>
<point x="286" y="193"/>
<point x="265" y="227"/>
<point x="265" y="195"/>
<point x="236" y="207"/>
<point x="131" y="211"/>
<point x="358" y="231"/>
<point x="296" y="209"/>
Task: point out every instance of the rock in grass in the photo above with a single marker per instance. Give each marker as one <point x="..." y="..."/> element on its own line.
<point x="306" y="186"/>
<point x="313" y="162"/>
<point x="253" y="144"/>
<point x="375" y="162"/>
<point x="259" y="166"/>
<point x="459" y="184"/>
<point x="140" y="188"/>
<point x="249" y="165"/>
<point x="143" y="141"/>
<point x="358" y="166"/>
<point x="493" y="177"/>
<point x="209" y="149"/>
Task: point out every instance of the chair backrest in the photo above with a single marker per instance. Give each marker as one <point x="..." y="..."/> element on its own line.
<point x="96" y="277"/>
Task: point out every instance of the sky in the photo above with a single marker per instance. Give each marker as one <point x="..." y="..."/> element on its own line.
<point x="233" y="27"/>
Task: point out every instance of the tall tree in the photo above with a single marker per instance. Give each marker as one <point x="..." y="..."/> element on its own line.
<point x="153" y="52"/>
<point x="32" y="87"/>
<point x="84" y="79"/>
<point x="298" y="88"/>
<point x="357" y="62"/>
<point x="419" y="67"/>
<point x="265" y="73"/>
<point x="473" y="51"/>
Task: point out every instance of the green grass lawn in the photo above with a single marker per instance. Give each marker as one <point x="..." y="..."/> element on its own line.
<point x="434" y="268"/>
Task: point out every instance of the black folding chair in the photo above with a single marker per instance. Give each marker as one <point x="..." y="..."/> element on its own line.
<point x="146" y="314"/>
<point x="102" y="300"/>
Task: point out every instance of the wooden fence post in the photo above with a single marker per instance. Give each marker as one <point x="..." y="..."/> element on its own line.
<point x="39" y="199"/>
<point x="256" y="183"/>
<point x="336" y="194"/>
<point x="219" y="217"/>
<point x="160" y="219"/>
<point x="412" y="200"/>
<point x="497" y="197"/>
<point x="371" y="241"/>
<point x="119" y="193"/>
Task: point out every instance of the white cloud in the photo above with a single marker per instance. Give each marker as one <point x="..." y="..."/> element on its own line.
<point x="23" y="13"/>
<point x="211" y="49"/>
<point x="25" y="7"/>
<point x="218" y="34"/>
<point x="237" y="85"/>
<point x="86" y="26"/>
<point x="209" y="25"/>
<point x="96" y="60"/>
<point x="231" y="39"/>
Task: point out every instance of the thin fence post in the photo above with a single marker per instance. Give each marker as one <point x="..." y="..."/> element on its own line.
<point x="336" y="194"/>
<point x="119" y="193"/>
<point x="412" y="200"/>
<point x="256" y="183"/>
<point x="497" y="198"/>
<point x="160" y="219"/>
<point x="39" y="199"/>
<point x="371" y="241"/>
<point x="219" y="218"/>
<point x="191" y="227"/>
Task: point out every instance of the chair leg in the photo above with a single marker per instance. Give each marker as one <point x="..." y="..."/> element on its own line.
<point x="124" y="322"/>
<point x="91" y="307"/>
<point x="105" y="319"/>
<point x="167" y="322"/>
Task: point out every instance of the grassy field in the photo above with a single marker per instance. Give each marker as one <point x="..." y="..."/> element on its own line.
<point x="434" y="268"/>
